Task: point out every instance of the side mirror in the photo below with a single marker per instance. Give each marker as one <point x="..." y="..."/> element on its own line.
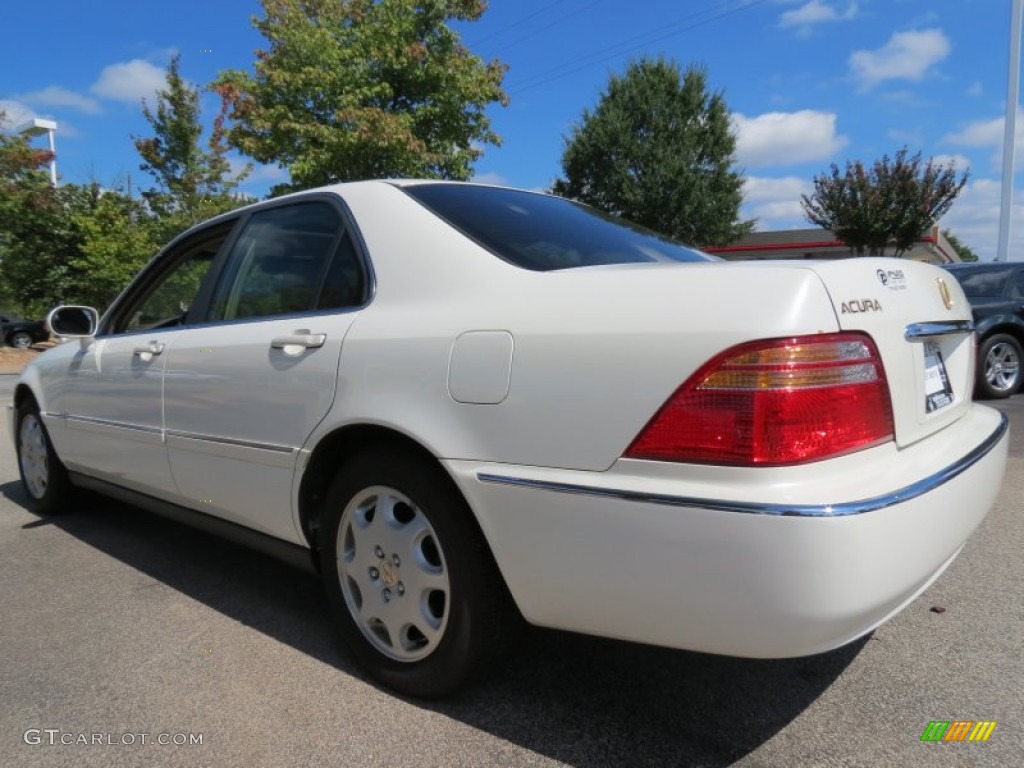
<point x="73" y="322"/>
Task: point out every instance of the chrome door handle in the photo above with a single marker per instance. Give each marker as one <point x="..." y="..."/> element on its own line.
<point x="149" y="351"/>
<point x="307" y="340"/>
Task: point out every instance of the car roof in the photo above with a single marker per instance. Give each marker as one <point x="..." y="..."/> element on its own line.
<point x="340" y="186"/>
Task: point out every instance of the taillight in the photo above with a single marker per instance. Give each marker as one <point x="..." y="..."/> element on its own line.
<point x="775" y="402"/>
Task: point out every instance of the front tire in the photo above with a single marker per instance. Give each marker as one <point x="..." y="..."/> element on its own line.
<point x="20" y="340"/>
<point x="999" y="372"/>
<point x="411" y="583"/>
<point x="43" y="476"/>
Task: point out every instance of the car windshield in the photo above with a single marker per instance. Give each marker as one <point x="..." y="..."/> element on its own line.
<point x="978" y="284"/>
<point x="543" y="233"/>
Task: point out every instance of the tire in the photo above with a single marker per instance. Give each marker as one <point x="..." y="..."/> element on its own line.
<point x="410" y="580"/>
<point x="999" y="370"/>
<point x="43" y="476"/>
<point x="20" y="340"/>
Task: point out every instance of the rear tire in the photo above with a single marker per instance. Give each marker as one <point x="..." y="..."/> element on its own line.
<point x="43" y="476"/>
<point x="999" y="370"/>
<point x="410" y="580"/>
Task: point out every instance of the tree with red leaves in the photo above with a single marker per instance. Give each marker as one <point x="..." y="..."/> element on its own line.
<point x="889" y="204"/>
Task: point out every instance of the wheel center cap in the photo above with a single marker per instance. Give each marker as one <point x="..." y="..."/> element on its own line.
<point x="388" y="574"/>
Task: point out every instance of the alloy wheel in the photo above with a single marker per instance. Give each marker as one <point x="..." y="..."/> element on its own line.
<point x="393" y="573"/>
<point x="1002" y="367"/>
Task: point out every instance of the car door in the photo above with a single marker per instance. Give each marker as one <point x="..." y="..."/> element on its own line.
<point x="113" y="407"/>
<point x="244" y="390"/>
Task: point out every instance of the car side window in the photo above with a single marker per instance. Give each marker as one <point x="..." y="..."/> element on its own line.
<point x="165" y="301"/>
<point x="985" y="283"/>
<point x="1017" y="291"/>
<point x="289" y="259"/>
<point x="345" y="283"/>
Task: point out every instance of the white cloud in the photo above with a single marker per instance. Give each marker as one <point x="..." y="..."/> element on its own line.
<point x="786" y="138"/>
<point x="55" y="96"/>
<point x="759" y="189"/>
<point x="907" y="56"/>
<point x="775" y="202"/>
<point x="974" y="218"/>
<point x="985" y="133"/>
<point x="976" y="89"/>
<point x="16" y="113"/>
<point x="961" y="162"/>
<point x="815" y="12"/>
<point x="129" y="81"/>
<point x="989" y="133"/>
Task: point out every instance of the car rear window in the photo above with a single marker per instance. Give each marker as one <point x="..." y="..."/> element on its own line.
<point x="978" y="284"/>
<point x="543" y="233"/>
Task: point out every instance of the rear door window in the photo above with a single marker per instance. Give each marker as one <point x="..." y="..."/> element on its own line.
<point x="979" y="284"/>
<point x="289" y="259"/>
<point x="1017" y="291"/>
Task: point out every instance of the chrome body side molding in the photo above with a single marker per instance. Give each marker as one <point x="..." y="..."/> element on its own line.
<point x="841" y="509"/>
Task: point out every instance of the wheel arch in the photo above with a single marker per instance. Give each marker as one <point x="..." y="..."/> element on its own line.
<point x="335" y="448"/>
<point x="21" y="393"/>
<point x="1001" y="324"/>
<point x="25" y="391"/>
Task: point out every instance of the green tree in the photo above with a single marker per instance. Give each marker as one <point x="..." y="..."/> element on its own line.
<point x="39" y="242"/>
<point x="76" y="243"/>
<point x="118" y="236"/>
<point x="192" y="183"/>
<point x="18" y="160"/>
<point x="964" y="251"/>
<point x="359" y="89"/>
<point x="34" y="236"/>
<point x="659" y="149"/>
<point x="891" y="203"/>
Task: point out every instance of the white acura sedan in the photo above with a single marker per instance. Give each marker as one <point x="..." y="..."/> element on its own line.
<point x="465" y="405"/>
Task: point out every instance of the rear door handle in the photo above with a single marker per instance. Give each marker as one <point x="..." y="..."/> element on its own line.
<point x="149" y="351"/>
<point x="306" y="340"/>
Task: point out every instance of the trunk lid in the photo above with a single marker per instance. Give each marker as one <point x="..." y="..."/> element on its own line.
<point x="920" y="320"/>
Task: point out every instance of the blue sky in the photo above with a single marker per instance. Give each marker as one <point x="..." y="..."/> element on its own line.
<point x="809" y="82"/>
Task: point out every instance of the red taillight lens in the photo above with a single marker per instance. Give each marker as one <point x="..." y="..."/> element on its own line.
<point x="775" y="402"/>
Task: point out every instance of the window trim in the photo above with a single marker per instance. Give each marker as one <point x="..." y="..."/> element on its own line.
<point x="198" y="314"/>
<point x="348" y="223"/>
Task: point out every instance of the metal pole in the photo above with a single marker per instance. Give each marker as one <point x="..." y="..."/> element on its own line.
<point x="1009" y="132"/>
<point x="53" y="152"/>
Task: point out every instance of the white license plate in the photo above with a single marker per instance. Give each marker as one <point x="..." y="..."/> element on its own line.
<point x="937" y="391"/>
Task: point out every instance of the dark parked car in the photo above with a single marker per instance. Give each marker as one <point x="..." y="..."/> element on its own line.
<point x="996" y="293"/>
<point x="21" y="333"/>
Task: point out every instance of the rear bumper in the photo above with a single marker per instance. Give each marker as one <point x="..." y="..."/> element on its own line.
<point x="777" y="563"/>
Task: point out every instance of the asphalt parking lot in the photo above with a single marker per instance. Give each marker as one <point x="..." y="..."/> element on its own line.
<point x="115" y="623"/>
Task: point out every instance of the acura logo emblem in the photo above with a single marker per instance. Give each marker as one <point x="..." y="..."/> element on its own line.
<point x="947" y="299"/>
